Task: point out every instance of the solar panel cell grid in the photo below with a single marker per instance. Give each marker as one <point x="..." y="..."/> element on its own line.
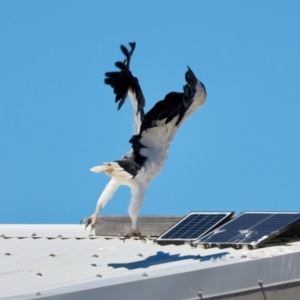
<point x="250" y="228"/>
<point x="193" y="226"/>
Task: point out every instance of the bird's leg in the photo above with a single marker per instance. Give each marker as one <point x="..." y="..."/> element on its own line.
<point x="138" y="193"/>
<point x="106" y="195"/>
<point x="134" y="233"/>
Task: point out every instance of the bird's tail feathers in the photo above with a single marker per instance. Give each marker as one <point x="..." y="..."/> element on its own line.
<point x="112" y="169"/>
<point x="97" y="169"/>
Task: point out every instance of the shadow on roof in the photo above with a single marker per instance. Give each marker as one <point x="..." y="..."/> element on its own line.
<point x="161" y="257"/>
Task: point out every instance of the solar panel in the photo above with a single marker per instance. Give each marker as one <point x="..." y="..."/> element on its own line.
<point x="194" y="225"/>
<point x="251" y="229"/>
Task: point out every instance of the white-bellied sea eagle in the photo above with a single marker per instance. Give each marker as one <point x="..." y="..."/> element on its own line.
<point x="153" y="133"/>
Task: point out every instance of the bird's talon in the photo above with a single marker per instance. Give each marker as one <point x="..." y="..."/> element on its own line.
<point x="134" y="233"/>
<point x="91" y="221"/>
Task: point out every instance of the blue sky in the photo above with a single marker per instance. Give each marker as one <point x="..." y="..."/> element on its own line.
<point x="58" y="119"/>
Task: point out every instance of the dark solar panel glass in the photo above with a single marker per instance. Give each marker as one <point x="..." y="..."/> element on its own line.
<point x="194" y="226"/>
<point x="250" y="228"/>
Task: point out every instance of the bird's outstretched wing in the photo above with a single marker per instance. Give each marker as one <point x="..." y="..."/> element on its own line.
<point x="162" y="121"/>
<point x="124" y="83"/>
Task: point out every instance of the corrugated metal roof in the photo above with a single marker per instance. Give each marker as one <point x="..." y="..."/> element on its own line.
<point x="37" y="260"/>
<point x="40" y="257"/>
<point x="47" y="231"/>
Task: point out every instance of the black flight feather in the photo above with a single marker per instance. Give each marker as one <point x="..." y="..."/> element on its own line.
<point x="122" y="81"/>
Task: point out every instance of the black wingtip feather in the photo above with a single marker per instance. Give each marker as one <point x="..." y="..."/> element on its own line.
<point x="121" y="102"/>
<point x="120" y="65"/>
<point x="107" y="81"/>
<point x="124" y="50"/>
<point x="132" y="45"/>
<point x="127" y="53"/>
<point x="121" y="94"/>
<point x="121" y="81"/>
<point x="190" y="77"/>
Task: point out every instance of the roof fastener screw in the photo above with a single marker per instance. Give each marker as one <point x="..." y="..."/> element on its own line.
<point x="200" y="294"/>
<point x="52" y="255"/>
<point x="3" y="235"/>
<point x="144" y="274"/>
<point x="260" y="282"/>
<point x="140" y="254"/>
<point x="59" y="236"/>
<point x="95" y="255"/>
<point x="34" y="234"/>
<point x="98" y="275"/>
<point x="93" y="265"/>
<point x="7" y="253"/>
<point x="38" y="294"/>
<point x="39" y="274"/>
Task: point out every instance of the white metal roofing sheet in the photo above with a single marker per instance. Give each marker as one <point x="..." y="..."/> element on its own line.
<point x="29" y="265"/>
<point x="44" y="230"/>
<point x="37" y="263"/>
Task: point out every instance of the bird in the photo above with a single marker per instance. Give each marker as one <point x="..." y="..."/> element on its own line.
<point x="152" y="134"/>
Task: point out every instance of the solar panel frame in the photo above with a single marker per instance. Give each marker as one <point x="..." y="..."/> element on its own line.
<point x="247" y="232"/>
<point x="184" y="223"/>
